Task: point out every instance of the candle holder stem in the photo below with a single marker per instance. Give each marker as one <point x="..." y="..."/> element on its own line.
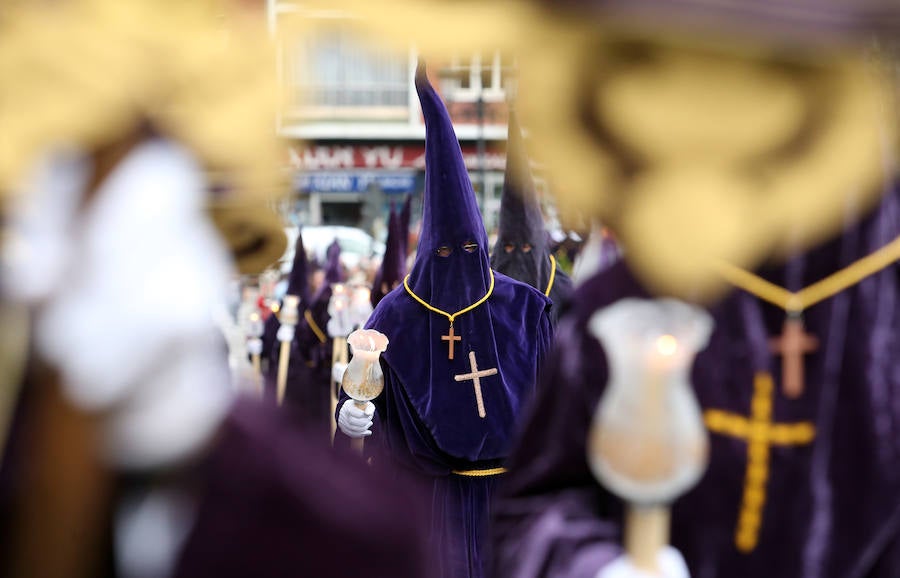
<point x="646" y="534"/>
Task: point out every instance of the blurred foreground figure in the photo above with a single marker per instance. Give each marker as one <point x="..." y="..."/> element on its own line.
<point x="800" y="383"/>
<point x="129" y="454"/>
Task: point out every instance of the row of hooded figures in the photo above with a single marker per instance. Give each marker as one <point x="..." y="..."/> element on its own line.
<point x="742" y="439"/>
<point x="487" y="420"/>
<point x="466" y="332"/>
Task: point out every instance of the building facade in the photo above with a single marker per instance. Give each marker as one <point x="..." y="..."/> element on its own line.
<point x="354" y="128"/>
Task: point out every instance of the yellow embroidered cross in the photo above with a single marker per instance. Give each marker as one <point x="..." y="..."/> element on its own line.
<point x="761" y="433"/>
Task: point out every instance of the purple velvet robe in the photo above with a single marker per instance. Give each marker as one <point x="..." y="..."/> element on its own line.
<point x="832" y="507"/>
<point x="307" y="391"/>
<point x="428" y="425"/>
<point x="275" y="503"/>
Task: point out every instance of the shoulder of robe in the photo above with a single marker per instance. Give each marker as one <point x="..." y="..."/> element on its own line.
<point x="523" y="296"/>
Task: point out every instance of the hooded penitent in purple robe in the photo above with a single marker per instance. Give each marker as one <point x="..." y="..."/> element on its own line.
<point x="430" y="427"/>
<point x="393" y="264"/>
<point x="829" y="508"/>
<point x="307" y="391"/>
<point x="405" y="215"/>
<point x="333" y="268"/>
<point x="522" y="249"/>
<point x="275" y="503"/>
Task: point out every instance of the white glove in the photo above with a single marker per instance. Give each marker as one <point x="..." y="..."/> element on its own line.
<point x="670" y="562"/>
<point x="355" y="422"/>
<point x="337" y="372"/>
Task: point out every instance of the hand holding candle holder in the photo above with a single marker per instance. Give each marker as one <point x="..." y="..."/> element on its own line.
<point x="348" y="309"/>
<point x="288" y="319"/>
<point x="363" y="379"/>
<point x="647" y="443"/>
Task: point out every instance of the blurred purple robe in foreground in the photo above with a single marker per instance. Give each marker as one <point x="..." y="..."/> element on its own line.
<point x="831" y="508"/>
<point x="275" y="503"/>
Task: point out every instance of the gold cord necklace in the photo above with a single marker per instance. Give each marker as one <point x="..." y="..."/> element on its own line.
<point x="552" y="275"/>
<point x="451" y="337"/>
<point x="794" y="342"/>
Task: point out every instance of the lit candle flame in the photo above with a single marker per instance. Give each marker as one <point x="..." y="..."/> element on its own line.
<point x="666" y="345"/>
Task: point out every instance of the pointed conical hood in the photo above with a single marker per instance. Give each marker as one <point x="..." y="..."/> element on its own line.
<point x="393" y="264"/>
<point x="521" y="250"/>
<point x="333" y="271"/>
<point x="297" y="280"/>
<point x="405" y="215"/>
<point x="450" y="217"/>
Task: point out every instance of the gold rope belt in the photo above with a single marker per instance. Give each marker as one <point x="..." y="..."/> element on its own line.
<point x="480" y="473"/>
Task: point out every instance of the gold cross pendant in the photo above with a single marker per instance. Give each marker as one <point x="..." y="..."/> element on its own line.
<point x="450" y="338"/>
<point x="792" y="344"/>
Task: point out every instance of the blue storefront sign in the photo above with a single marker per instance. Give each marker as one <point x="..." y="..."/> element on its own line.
<point x="347" y="182"/>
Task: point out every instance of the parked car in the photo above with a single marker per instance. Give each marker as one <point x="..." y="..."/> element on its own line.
<point x="355" y="244"/>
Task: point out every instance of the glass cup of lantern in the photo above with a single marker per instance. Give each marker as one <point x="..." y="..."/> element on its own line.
<point x="363" y="379"/>
<point x="647" y="443"/>
<point x="360" y="304"/>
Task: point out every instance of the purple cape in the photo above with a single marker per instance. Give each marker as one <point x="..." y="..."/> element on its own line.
<point x="273" y="503"/>
<point x="522" y="250"/>
<point x="428" y="424"/>
<point x="831" y="507"/>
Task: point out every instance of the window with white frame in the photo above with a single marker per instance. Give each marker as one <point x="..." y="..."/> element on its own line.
<point x="485" y="74"/>
<point x="332" y="73"/>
